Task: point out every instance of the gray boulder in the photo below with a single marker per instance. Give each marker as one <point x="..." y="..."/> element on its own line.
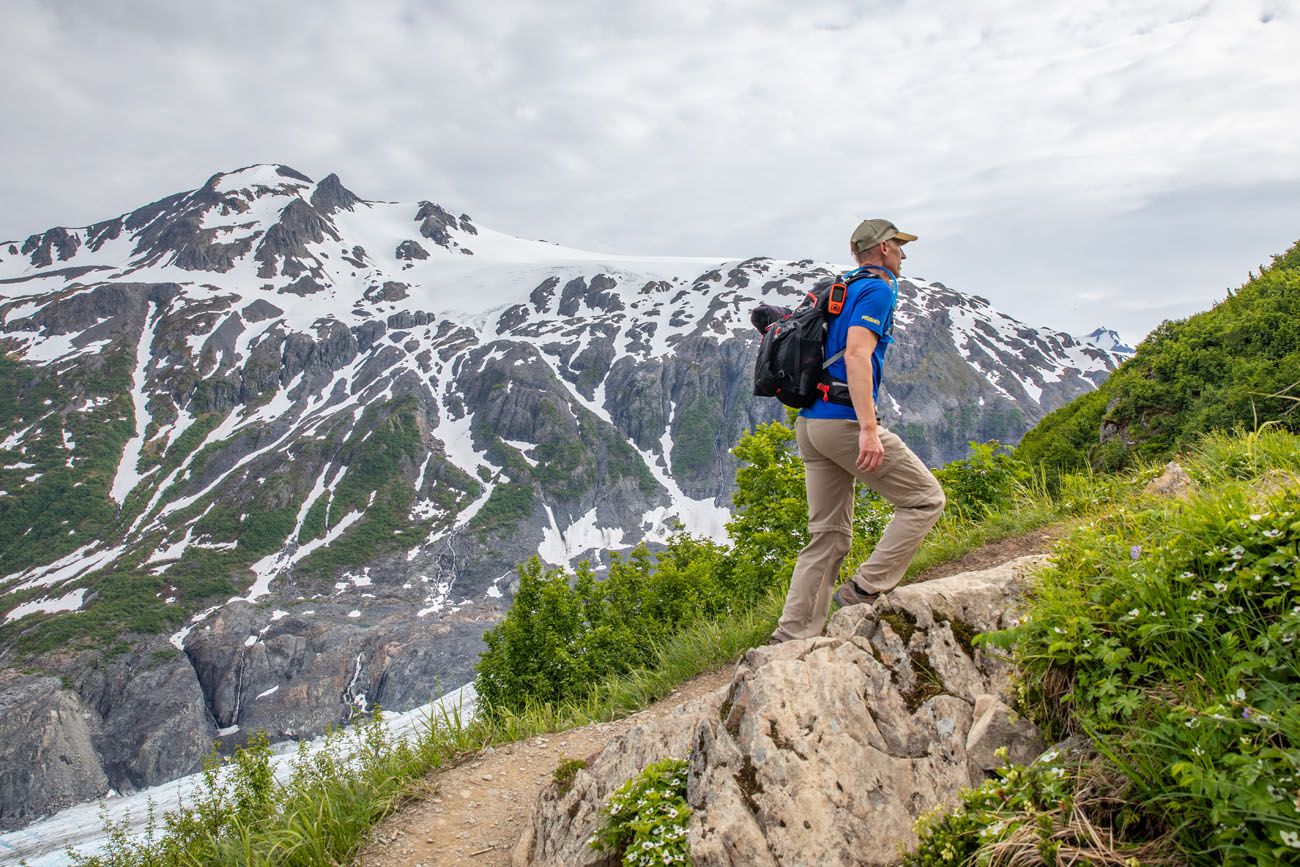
<point x="831" y="748"/>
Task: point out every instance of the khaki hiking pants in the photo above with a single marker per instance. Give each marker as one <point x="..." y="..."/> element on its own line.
<point x="829" y="448"/>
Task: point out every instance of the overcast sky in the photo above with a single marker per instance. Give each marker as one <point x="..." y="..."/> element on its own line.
<point x="1116" y="162"/>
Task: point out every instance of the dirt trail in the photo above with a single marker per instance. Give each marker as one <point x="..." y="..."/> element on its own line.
<point x="473" y="814"/>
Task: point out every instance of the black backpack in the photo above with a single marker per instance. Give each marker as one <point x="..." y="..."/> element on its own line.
<point x="791" y="365"/>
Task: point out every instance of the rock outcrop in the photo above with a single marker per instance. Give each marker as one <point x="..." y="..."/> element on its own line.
<point x="825" y="751"/>
<point x="44" y="727"/>
<point x="1173" y="482"/>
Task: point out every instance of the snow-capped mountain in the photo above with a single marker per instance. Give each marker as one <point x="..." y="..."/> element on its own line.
<point x="1107" y="339"/>
<point x="269" y="452"/>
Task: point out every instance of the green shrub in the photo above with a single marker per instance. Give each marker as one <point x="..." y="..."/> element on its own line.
<point x="769" y="522"/>
<point x="1168" y="632"/>
<point x="644" y="821"/>
<point x="563" y="634"/>
<point x="535" y="653"/>
<point x="984" y="482"/>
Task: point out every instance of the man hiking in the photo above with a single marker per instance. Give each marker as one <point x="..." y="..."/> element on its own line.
<point x="841" y="445"/>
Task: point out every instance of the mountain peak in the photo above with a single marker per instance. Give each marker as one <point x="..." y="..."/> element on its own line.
<point x="259" y="174"/>
<point x="1107" y="339"/>
<point x="330" y="196"/>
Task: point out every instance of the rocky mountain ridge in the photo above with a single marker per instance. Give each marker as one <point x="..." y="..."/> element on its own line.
<point x="269" y="452"/>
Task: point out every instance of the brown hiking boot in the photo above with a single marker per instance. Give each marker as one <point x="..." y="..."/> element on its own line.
<point x="851" y="594"/>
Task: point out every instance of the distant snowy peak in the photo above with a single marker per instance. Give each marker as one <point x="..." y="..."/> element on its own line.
<point x="270" y="230"/>
<point x="267" y="218"/>
<point x="1107" y="339"/>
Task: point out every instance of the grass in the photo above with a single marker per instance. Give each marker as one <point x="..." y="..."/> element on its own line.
<point x="324" y="812"/>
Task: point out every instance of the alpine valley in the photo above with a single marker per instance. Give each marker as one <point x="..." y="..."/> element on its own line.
<point x="270" y="453"/>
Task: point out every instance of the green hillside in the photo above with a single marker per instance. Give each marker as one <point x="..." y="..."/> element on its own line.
<point x="1236" y="364"/>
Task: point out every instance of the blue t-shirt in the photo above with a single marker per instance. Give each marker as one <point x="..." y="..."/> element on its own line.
<point x="869" y="304"/>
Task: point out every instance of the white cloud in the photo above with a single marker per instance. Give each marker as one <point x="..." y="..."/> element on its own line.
<point x="690" y="127"/>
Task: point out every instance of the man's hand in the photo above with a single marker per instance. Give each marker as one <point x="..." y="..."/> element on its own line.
<point x="871" y="452"/>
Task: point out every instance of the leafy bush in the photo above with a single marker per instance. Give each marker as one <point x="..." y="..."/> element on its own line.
<point x="1169" y="634"/>
<point x="535" y="652"/>
<point x="644" y="821"/>
<point x="986" y="481"/>
<point x="559" y="639"/>
<point x="770" y="510"/>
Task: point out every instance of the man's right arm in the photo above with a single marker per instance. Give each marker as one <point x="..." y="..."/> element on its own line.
<point x="857" y="361"/>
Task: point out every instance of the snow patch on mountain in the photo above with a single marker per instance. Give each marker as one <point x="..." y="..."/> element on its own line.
<point x="564" y="547"/>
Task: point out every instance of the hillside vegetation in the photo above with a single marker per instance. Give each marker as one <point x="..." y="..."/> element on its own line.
<point x="1235" y="365"/>
<point x="1161" y="643"/>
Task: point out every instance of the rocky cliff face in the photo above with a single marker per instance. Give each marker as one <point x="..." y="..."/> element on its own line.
<point x="270" y="452"/>
<point x="824" y="751"/>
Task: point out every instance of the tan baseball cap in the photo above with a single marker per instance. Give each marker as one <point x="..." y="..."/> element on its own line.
<point x="869" y="233"/>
